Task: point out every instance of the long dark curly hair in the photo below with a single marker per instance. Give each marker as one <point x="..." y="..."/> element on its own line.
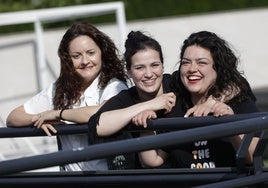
<point x="229" y="78"/>
<point x="69" y="84"/>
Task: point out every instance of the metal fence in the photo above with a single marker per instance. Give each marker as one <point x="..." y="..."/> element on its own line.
<point x="187" y="130"/>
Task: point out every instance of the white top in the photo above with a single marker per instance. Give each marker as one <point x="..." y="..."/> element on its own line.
<point x="93" y="95"/>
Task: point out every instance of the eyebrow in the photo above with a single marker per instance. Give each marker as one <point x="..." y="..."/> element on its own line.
<point x="74" y="53"/>
<point x="198" y="59"/>
<point x="142" y="64"/>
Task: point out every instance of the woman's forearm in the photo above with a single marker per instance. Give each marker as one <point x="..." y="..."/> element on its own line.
<point x="112" y="121"/>
<point x="79" y="115"/>
<point x="151" y="158"/>
<point x="18" y="118"/>
<point x="236" y="141"/>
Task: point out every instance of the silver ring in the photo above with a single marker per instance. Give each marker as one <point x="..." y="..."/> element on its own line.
<point x="228" y="107"/>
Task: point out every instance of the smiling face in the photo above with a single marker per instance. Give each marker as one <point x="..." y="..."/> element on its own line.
<point x="197" y="72"/>
<point x="147" y="73"/>
<point x="86" y="57"/>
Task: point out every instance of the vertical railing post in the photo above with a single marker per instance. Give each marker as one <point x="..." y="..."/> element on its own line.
<point x="41" y="58"/>
<point x="121" y="23"/>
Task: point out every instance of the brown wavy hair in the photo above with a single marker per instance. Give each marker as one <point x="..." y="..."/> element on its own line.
<point x="69" y="84"/>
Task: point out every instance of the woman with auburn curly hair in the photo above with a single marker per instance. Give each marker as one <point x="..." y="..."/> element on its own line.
<point x="91" y="73"/>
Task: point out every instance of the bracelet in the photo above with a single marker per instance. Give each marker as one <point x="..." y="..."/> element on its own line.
<point x="61" y="118"/>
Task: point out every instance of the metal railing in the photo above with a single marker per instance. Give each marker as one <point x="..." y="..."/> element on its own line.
<point x="187" y="130"/>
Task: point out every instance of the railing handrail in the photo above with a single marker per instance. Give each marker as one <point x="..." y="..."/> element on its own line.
<point x="56" y="13"/>
<point x="134" y="145"/>
<point x="158" y="124"/>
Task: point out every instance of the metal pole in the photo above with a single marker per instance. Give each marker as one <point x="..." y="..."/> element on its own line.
<point x="121" y="23"/>
<point x="41" y="58"/>
<point x="133" y="145"/>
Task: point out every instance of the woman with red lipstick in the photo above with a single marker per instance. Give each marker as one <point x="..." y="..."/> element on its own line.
<point x="208" y="67"/>
<point x="90" y="74"/>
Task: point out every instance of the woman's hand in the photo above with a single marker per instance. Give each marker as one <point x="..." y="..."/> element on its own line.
<point x="141" y="118"/>
<point x="202" y="109"/>
<point x="210" y="106"/>
<point x="44" y="119"/>
<point x="221" y="109"/>
<point x="48" y="128"/>
<point x="46" y="116"/>
<point x="165" y="101"/>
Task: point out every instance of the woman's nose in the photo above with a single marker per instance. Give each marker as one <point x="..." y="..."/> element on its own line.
<point x="85" y="59"/>
<point x="148" y="72"/>
<point x="193" y="66"/>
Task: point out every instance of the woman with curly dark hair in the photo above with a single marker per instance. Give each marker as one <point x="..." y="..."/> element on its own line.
<point x="91" y="73"/>
<point x="208" y="67"/>
<point x="226" y="80"/>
